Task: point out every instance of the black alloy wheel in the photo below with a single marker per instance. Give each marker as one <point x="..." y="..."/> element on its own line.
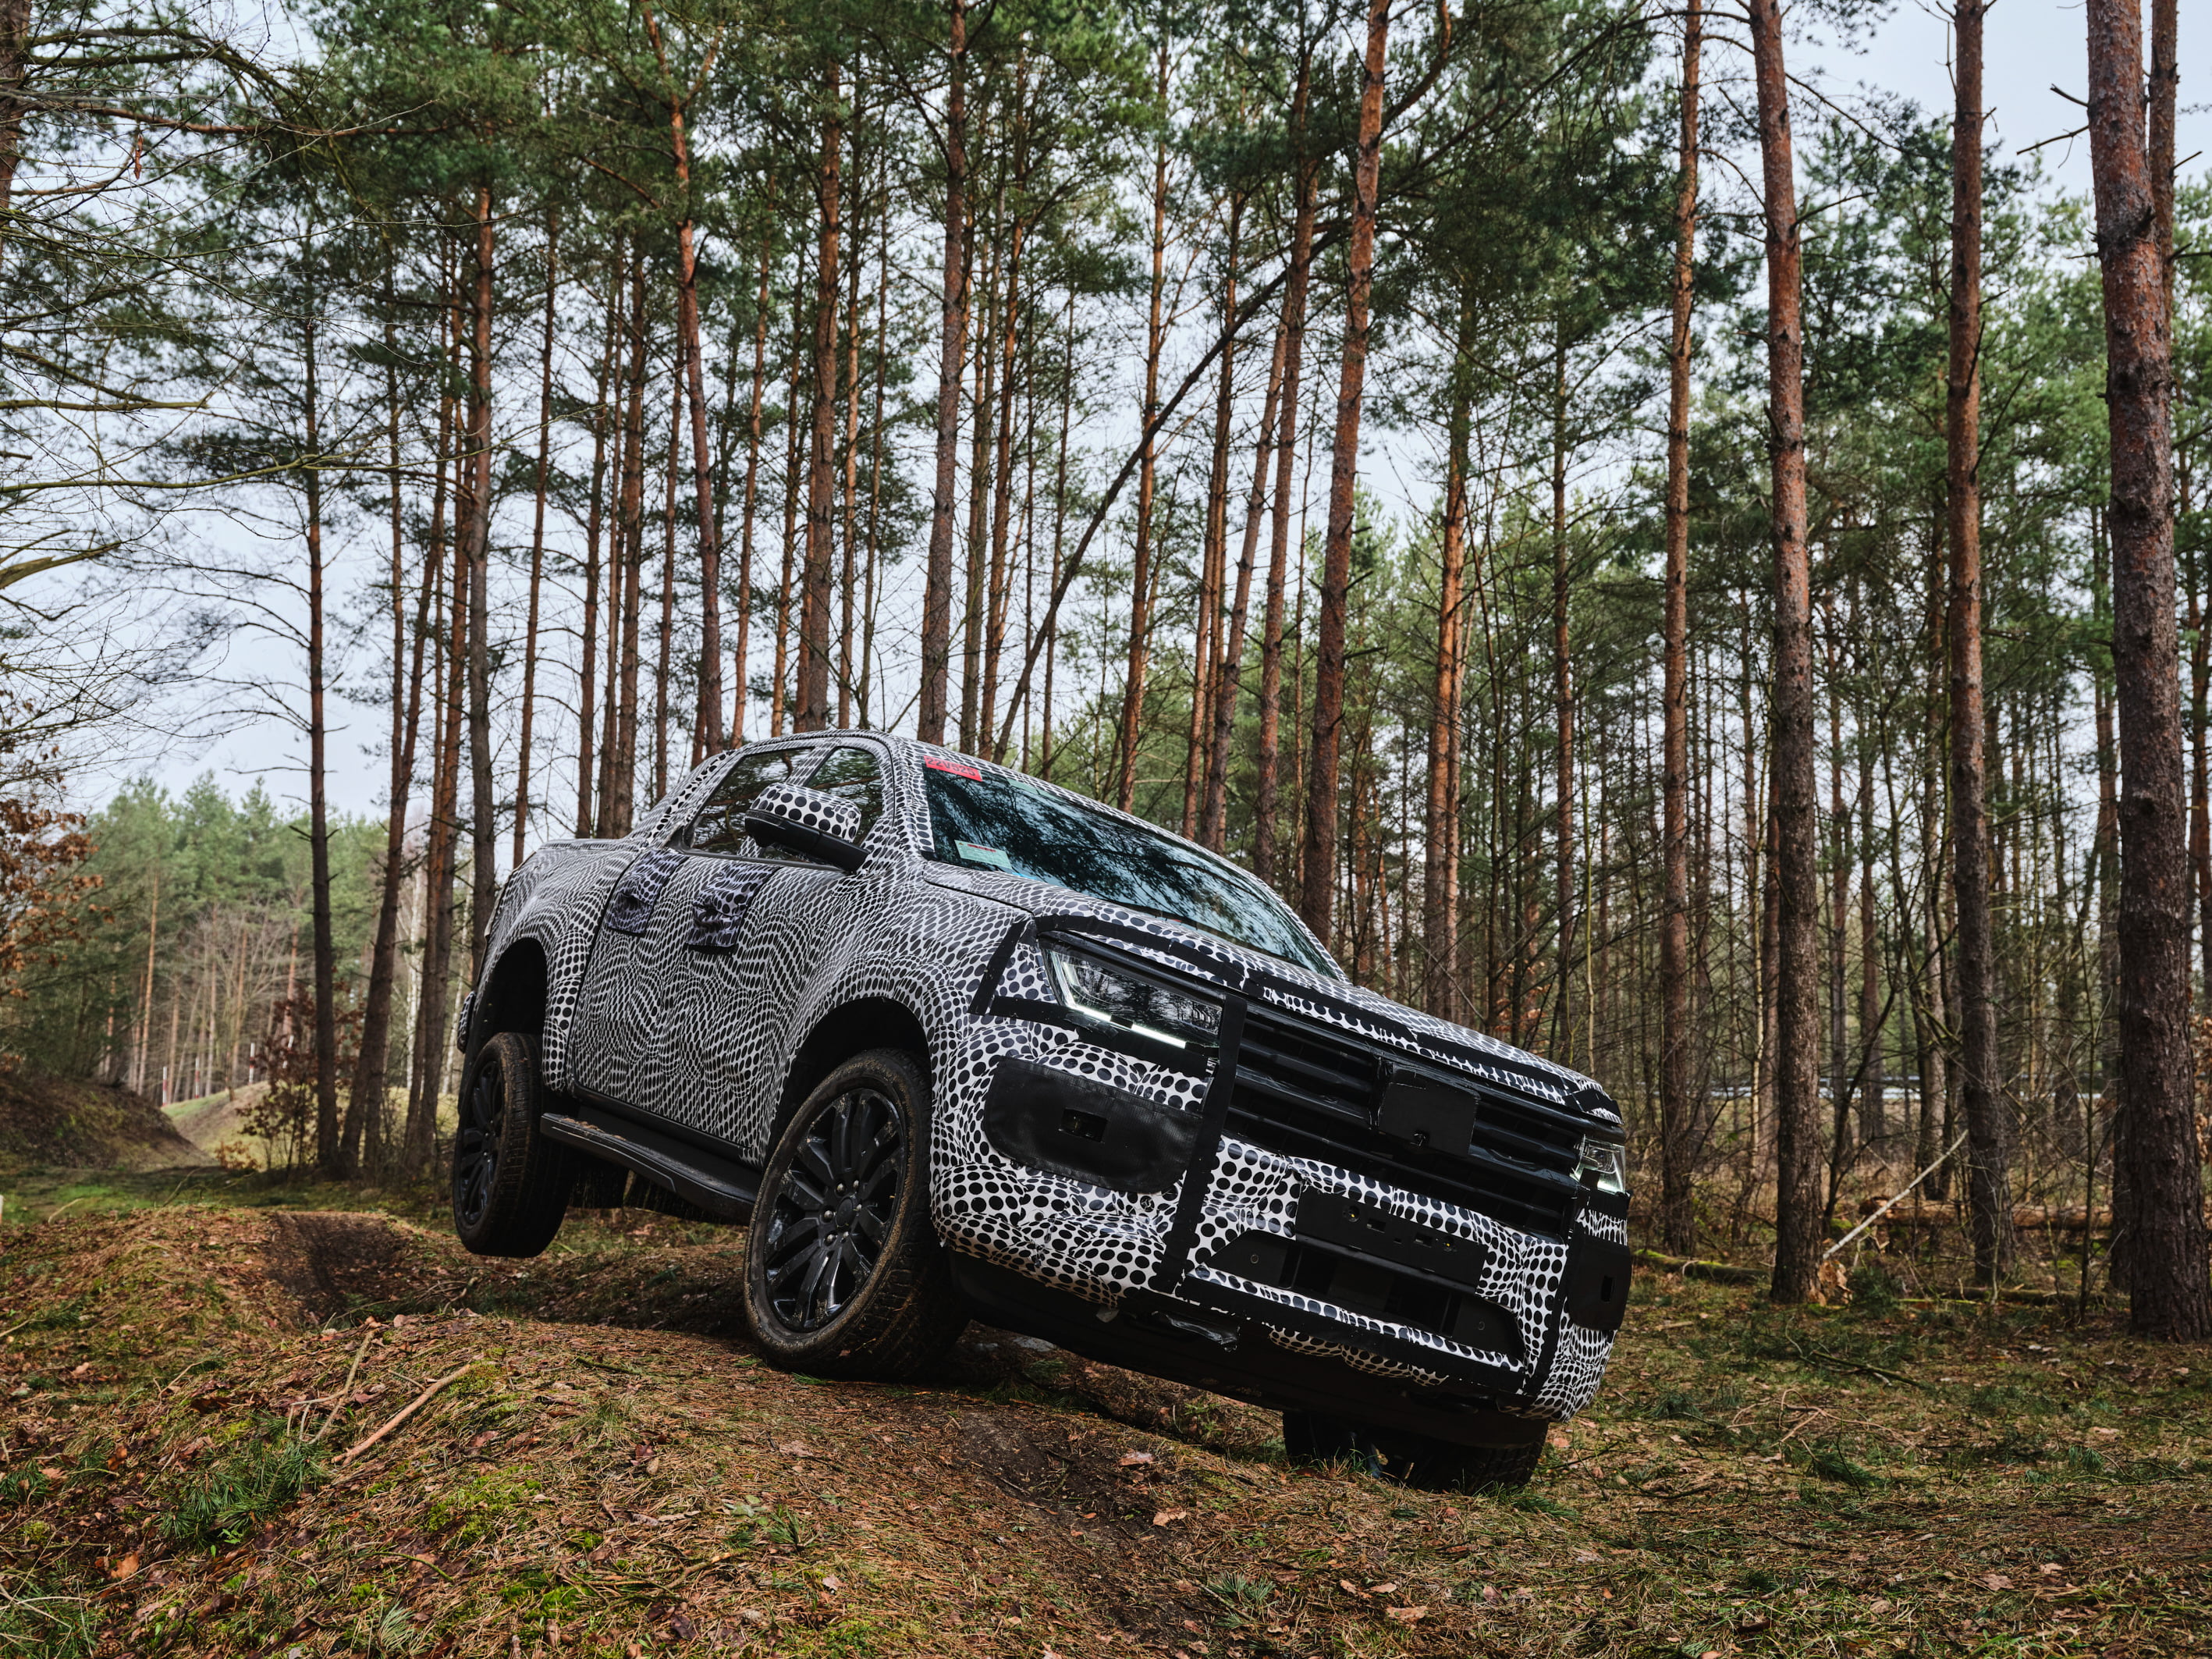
<point x="510" y="1184"/>
<point x="836" y="1207"/>
<point x="844" y="1274"/>
<point x="476" y="1143"/>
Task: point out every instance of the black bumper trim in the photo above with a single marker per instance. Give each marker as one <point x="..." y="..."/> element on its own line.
<point x="1142" y="1334"/>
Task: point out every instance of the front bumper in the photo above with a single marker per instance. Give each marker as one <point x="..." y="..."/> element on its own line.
<point x="1337" y="1219"/>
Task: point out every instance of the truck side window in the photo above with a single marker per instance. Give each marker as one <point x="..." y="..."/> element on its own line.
<point x="852" y="774"/>
<point x="719" y="827"/>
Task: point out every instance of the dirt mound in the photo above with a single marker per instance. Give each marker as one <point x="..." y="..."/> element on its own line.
<point x="214" y="1122"/>
<point x="71" y="1123"/>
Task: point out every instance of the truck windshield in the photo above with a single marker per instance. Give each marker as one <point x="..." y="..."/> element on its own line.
<point x="1002" y="821"/>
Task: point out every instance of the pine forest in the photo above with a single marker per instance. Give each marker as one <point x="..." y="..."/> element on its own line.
<point x="1691" y="567"/>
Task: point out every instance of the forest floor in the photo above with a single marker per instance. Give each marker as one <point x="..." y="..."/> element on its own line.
<point x="599" y="1467"/>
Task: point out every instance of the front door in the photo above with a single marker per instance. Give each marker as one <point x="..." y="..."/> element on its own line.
<point x="632" y="1020"/>
<point x="754" y="983"/>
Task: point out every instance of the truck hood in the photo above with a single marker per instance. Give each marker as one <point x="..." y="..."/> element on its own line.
<point x="1393" y="1023"/>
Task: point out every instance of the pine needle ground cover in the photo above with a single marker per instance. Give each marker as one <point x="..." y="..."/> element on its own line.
<point x="253" y="1432"/>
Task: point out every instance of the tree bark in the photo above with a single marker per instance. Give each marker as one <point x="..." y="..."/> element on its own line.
<point x="1796" y="803"/>
<point x="483" y="800"/>
<point x="318" y="820"/>
<point x="2169" y="1291"/>
<point x="1981" y="1088"/>
<point x="1266" y="788"/>
<point x="16" y="48"/>
<point x="709" y="725"/>
<point x="813" y="712"/>
<point x="1206" y="652"/>
<point x="420" y="1140"/>
<point x="1441" y="840"/>
<point x="618" y="810"/>
<point x="951" y="364"/>
<point x="537" y="534"/>
<point x="1213" y="822"/>
<point x="588" y="652"/>
<point x="1318" y="887"/>
<point x="1678" y="1221"/>
<point x="752" y="487"/>
<point x="1132" y="692"/>
<point x="365" y="1105"/>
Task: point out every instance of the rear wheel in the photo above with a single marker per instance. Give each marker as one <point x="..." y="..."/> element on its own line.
<point x="510" y="1183"/>
<point x="844" y="1274"/>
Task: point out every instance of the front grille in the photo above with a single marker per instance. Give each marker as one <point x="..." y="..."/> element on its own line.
<point x="1307" y="1092"/>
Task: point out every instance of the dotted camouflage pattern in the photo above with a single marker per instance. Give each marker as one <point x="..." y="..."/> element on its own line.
<point x="683" y="984"/>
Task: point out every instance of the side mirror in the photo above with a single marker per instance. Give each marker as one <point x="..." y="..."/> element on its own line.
<point x="809" y="823"/>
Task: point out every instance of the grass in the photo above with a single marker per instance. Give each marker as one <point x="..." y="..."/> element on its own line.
<point x="1890" y="1477"/>
<point x="261" y="1475"/>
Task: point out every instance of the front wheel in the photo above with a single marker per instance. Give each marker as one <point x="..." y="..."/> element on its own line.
<point x="844" y="1274"/>
<point x="510" y="1183"/>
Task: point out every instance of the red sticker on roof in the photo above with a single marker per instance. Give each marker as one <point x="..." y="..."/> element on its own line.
<point x="958" y="769"/>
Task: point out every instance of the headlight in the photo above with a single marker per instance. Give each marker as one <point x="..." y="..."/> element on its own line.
<point x="1091" y="986"/>
<point x="1603" y="1166"/>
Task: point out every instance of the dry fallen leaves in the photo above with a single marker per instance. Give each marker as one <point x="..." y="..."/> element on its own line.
<point x="1132" y="1460"/>
<point x="1166" y="1515"/>
<point x="1407" y="1615"/>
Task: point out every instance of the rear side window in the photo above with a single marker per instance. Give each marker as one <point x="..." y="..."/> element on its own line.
<point x="856" y="775"/>
<point x="719" y="827"/>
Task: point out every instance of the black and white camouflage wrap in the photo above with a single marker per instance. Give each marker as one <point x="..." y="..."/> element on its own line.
<point x="683" y="984"/>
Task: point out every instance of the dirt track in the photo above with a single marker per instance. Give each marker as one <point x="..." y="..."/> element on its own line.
<point x="612" y="1472"/>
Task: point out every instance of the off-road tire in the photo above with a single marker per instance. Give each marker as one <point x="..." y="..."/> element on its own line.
<point x="1418" y="1461"/>
<point x="886" y="1316"/>
<point x="510" y="1183"/>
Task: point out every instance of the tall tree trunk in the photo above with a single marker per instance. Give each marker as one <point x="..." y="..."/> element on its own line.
<point x="1266" y="788"/>
<point x="1563" y="711"/>
<point x="974" y="579"/>
<point x="813" y="713"/>
<point x="999" y="587"/>
<point x="620" y="808"/>
<point x="537" y="533"/>
<point x="2169" y="1291"/>
<point x="1677" y="1215"/>
<point x="1214" y="823"/>
<point x="1441" y="827"/>
<point x="1981" y="1089"/>
<point x="15" y="51"/>
<point x="1796" y="793"/>
<point x="436" y="972"/>
<point x="365" y="1106"/>
<point x="692" y="367"/>
<point x="951" y="364"/>
<point x="1318" y="889"/>
<point x="1205" y="650"/>
<point x="587" y="661"/>
<point x="1133" y="690"/>
<point x="671" y="464"/>
<point x="484" y="813"/>
<point x="752" y="484"/>
<point x="318" y="820"/>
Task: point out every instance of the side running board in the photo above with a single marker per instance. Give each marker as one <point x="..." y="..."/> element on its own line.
<point x="727" y="1197"/>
